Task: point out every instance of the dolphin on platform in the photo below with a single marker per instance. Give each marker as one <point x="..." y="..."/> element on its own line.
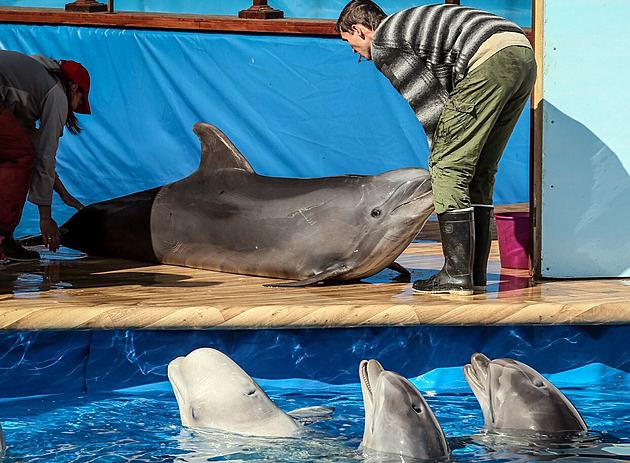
<point x="212" y="391"/>
<point x="397" y="418"/>
<point x="225" y="217"/>
<point x="514" y="396"/>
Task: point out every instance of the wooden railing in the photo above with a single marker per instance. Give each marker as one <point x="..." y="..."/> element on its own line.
<point x="186" y="22"/>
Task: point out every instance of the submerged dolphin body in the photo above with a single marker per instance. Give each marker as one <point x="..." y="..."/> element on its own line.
<point x="212" y="391"/>
<point x="514" y="396"/>
<point x="225" y="217"/>
<point x="397" y="418"/>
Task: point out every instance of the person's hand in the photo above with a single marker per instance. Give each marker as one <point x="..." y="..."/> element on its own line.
<point x="72" y="201"/>
<point x="50" y="234"/>
<point x="49" y="229"/>
<point x="65" y="196"/>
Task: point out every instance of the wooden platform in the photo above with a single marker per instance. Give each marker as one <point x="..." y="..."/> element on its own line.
<point x="65" y="292"/>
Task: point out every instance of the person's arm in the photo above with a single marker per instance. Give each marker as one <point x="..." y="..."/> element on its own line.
<point x="415" y="81"/>
<point x="54" y="111"/>
<point x="53" y="116"/>
<point x="65" y="196"/>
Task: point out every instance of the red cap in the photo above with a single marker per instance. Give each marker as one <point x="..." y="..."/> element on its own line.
<point x="79" y="75"/>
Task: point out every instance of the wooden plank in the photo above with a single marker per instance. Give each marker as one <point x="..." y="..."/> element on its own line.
<point x="142" y="20"/>
<point x="188" y="22"/>
<point x="536" y="141"/>
<point x="101" y="294"/>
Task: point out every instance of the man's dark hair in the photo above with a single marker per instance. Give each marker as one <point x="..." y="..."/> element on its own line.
<point x="364" y="12"/>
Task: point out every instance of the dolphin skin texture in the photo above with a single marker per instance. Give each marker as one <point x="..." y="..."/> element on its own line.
<point x="397" y="418"/>
<point x="212" y="391"/>
<point x="514" y="396"/>
<point x="227" y="218"/>
<point x="3" y="444"/>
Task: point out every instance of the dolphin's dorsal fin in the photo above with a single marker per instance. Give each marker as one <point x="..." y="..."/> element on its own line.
<point x="217" y="151"/>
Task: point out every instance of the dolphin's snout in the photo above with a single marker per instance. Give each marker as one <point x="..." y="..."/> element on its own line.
<point x="480" y="362"/>
<point x="476" y="372"/>
<point x="425" y="195"/>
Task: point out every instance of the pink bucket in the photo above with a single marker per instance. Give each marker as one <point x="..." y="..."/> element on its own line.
<point x="513" y="236"/>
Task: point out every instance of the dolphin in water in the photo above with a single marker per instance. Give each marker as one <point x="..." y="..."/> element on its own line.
<point x="397" y="418"/>
<point x="514" y="396"/>
<point x="3" y="443"/>
<point x="227" y="218"/>
<point x="212" y="391"/>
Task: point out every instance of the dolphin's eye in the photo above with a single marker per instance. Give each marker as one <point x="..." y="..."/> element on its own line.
<point x="416" y="408"/>
<point x="193" y="413"/>
<point x="539" y="383"/>
<point x="376" y="212"/>
<point x="251" y="392"/>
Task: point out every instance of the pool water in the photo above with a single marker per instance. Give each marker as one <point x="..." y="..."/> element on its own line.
<point x="141" y="424"/>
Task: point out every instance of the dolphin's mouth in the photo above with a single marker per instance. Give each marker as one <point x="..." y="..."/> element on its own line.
<point x="174" y="378"/>
<point x="476" y="372"/>
<point x="369" y="372"/>
<point x="365" y="378"/>
<point x="414" y="199"/>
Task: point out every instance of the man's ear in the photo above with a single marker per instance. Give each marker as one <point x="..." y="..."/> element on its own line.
<point x="359" y="29"/>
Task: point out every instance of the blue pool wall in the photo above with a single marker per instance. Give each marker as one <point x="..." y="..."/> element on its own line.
<point x="55" y="362"/>
<point x="295" y="106"/>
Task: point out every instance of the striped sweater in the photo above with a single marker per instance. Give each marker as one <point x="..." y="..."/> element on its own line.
<point x="424" y="52"/>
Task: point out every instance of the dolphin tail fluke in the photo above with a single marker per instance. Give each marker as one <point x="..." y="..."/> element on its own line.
<point x="31" y="240"/>
<point x="217" y="151"/>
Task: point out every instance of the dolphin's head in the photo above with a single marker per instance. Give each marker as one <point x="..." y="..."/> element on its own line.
<point x="212" y="391"/>
<point x="514" y="396"/>
<point x="397" y="418"/>
<point x="393" y="208"/>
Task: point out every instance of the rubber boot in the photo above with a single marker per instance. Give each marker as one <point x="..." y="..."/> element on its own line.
<point x="483" y="240"/>
<point x="458" y="240"/>
<point x="12" y="250"/>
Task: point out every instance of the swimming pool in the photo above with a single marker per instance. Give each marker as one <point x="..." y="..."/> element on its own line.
<point x="102" y="396"/>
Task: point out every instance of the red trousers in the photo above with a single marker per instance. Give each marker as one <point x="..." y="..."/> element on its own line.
<point x="17" y="159"/>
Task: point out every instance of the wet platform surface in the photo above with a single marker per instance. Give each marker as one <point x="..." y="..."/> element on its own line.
<point x="68" y="290"/>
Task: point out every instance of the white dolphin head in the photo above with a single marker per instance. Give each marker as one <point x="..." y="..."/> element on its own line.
<point x="212" y="391"/>
<point x="397" y="418"/>
<point x="512" y="395"/>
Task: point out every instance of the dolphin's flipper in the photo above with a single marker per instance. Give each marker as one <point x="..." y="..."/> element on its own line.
<point x="217" y="151"/>
<point x="396" y="267"/>
<point x="310" y="415"/>
<point x="327" y="275"/>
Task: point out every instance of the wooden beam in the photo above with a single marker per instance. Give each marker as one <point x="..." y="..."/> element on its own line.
<point x="536" y="144"/>
<point x="87" y="6"/>
<point x="260" y="10"/>
<point x="186" y="22"/>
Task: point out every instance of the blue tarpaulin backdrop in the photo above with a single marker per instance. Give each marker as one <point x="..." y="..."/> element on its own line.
<point x="294" y="106"/>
